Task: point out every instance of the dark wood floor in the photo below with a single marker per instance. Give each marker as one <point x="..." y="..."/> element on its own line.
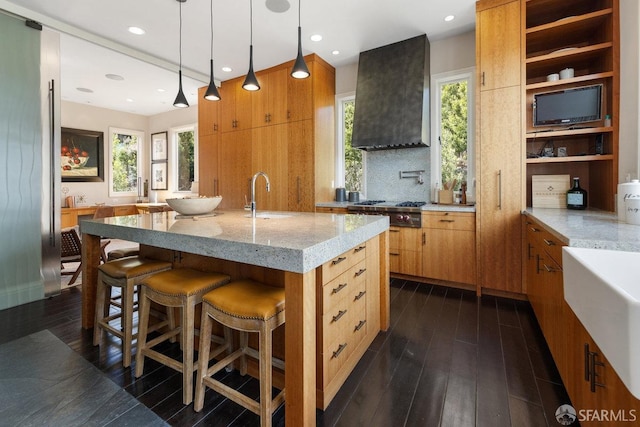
<point x="449" y="358"/>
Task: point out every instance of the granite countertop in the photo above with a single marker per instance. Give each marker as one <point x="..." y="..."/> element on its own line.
<point x="290" y="241"/>
<point x="589" y="228"/>
<point x="427" y="207"/>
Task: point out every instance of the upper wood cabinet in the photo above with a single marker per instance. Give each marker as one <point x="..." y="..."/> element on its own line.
<point x="498" y="44"/>
<point x="296" y="148"/>
<point x="208" y="115"/>
<point x="235" y="105"/>
<point x="269" y="105"/>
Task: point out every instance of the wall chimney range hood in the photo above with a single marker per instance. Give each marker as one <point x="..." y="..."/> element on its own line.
<point x="392" y="96"/>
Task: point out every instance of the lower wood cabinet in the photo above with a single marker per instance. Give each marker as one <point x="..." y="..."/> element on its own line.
<point x="405" y="250"/>
<point x="69" y="217"/>
<point x="588" y="377"/>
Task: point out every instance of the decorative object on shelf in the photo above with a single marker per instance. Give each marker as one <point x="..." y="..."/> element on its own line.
<point x="549" y="191"/>
<point x="553" y="77"/>
<point x="212" y="93"/>
<point x="576" y="196"/>
<point x="626" y="190"/>
<point x="562" y="151"/>
<point x="251" y="81"/>
<point x="632" y="209"/>
<point x="159" y="176"/>
<point x="181" y="100"/>
<point x="567" y="73"/>
<point x="159" y="147"/>
<point x="300" y="69"/>
<point x="81" y="155"/>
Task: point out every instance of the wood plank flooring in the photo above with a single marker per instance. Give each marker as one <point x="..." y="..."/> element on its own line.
<point x="449" y="359"/>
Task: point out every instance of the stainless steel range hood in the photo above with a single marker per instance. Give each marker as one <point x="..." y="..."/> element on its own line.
<point x="392" y="96"/>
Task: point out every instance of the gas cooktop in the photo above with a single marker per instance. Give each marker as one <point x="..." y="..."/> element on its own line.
<point x="409" y="204"/>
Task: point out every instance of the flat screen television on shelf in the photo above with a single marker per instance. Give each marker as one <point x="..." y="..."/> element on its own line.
<point x="568" y="107"/>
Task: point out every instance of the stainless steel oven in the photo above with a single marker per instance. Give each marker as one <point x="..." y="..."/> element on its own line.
<point x="403" y="214"/>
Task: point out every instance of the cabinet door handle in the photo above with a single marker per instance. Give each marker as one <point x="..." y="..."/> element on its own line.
<point x="215" y="127"/>
<point x="529" y="247"/>
<point x="594" y="375"/>
<point x="360" y="295"/>
<point x="393" y="231"/>
<point x="338" y="316"/>
<point x="338" y="260"/>
<point x="447" y="220"/>
<point x="266" y="118"/>
<point x="359" y="325"/>
<point x="500" y="189"/>
<point x="359" y="272"/>
<point x="424" y="238"/>
<point x="394" y="254"/>
<point x="269" y="118"/>
<point x="298" y="189"/>
<point x="288" y="114"/>
<point x="339" y="350"/>
<point x="338" y="288"/>
<point x="359" y="248"/>
<point x="483" y="78"/>
<point x="549" y="269"/>
<point x="549" y="242"/>
<point x="535" y="230"/>
<point x="538" y="269"/>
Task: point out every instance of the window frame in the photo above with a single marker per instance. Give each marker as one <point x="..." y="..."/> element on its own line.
<point x="341" y="99"/>
<point x="173" y="137"/>
<point x="438" y="80"/>
<point x="140" y="159"/>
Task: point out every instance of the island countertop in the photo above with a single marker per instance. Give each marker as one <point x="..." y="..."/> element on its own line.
<point x="290" y="241"/>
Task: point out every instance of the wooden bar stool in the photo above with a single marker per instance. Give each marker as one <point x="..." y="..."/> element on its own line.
<point x="182" y="288"/>
<point x="247" y="306"/>
<point x="125" y="274"/>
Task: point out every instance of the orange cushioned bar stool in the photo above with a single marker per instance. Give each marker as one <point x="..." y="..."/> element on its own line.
<point x="125" y="274"/>
<point x="247" y="306"/>
<point x="182" y="288"/>
<point x="123" y="253"/>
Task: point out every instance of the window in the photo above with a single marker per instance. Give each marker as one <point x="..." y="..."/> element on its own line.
<point x="186" y="158"/>
<point x="452" y="154"/>
<point x="350" y="161"/>
<point x="124" y="160"/>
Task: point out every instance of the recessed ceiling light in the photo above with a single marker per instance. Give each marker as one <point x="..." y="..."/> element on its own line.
<point x="227" y="69"/>
<point x="335" y="52"/>
<point x="137" y="31"/>
<point x="114" y="77"/>
<point x="129" y="100"/>
<point x="449" y="18"/>
<point x="316" y="37"/>
<point x="84" y="89"/>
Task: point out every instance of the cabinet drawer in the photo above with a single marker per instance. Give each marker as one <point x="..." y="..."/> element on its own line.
<point x="351" y="331"/>
<point x="405" y="238"/>
<point x="340" y="264"/>
<point x="125" y="210"/>
<point x="345" y="286"/>
<point x="449" y="220"/>
<point x="546" y="241"/>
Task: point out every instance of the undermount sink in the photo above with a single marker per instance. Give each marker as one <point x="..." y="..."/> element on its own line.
<point x="268" y="215"/>
<point x="602" y="288"/>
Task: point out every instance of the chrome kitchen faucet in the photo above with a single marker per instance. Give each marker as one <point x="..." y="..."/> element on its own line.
<point x="253" y="191"/>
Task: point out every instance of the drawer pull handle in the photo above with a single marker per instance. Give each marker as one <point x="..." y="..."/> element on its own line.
<point x="359" y="325"/>
<point x="359" y="272"/>
<point x="339" y="350"/>
<point x="549" y="242"/>
<point x="394" y="231"/>
<point x="338" y="316"/>
<point x="549" y="269"/>
<point x="358" y="249"/>
<point x="447" y="220"/>
<point x="339" y="260"/>
<point x="338" y="288"/>
<point x="360" y="295"/>
<point x="394" y="254"/>
<point x="535" y="230"/>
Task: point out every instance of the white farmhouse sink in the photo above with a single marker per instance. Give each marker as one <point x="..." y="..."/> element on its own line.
<point x="602" y="287"/>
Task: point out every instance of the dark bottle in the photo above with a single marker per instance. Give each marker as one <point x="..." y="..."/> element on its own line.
<point x="576" y="196"/>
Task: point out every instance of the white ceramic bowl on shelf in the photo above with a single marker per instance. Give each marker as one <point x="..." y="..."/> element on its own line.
<point x="194" y="206"/>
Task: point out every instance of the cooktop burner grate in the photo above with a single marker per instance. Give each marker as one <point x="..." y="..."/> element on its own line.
<point x="369" y="202"/>
<point x="411" y="204"/>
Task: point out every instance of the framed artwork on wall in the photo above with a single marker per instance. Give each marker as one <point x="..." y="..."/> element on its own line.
<point x="159" y="147"/>
<point x="81" y="155"/>
<point x="159" y="176"/>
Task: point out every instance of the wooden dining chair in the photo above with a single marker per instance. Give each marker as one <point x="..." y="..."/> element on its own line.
<point x="70" y="251"/>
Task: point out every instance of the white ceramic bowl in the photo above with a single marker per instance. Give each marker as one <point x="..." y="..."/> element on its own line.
<point x="195" y="206"/>
<point x="71" y="162"/>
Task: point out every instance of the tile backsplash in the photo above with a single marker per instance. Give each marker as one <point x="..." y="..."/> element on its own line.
<point x="383" y="174"/>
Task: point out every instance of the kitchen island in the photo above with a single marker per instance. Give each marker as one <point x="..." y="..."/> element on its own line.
<point x="304" y="252"/>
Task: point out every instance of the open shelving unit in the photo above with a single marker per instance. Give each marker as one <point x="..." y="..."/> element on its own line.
<point x="585" y="36"/>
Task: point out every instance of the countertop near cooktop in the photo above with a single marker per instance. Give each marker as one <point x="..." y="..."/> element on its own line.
<point x="427" y="207"/>
<point x="589" y="228"/>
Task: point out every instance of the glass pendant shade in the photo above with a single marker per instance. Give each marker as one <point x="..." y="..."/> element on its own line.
<point x="251" y="81"/>
<point x="212" y="93"/>
<point x="181" y="100"/>
<point x="300" y="70"/>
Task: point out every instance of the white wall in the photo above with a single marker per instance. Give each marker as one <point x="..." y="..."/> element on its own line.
<point x="629" y="153"/>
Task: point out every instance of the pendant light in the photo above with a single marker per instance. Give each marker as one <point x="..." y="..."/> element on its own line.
<point x="251" y="81"/>
<point x="212" y="93"/>
<point x="300" y="70"/>
<point x="181" y="100"/>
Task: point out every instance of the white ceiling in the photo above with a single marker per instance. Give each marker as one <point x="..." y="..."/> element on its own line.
<point x="349" y="26"/>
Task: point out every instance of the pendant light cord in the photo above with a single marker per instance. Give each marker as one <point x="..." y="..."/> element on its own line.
<point x="298" y="13"/>
<point x="180" y="38"/>
<point x="251" y="12"/>
<point x="211" y="29"/>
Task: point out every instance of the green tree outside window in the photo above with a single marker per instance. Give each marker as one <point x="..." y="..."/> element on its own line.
<point x="453" y="143"/>
<point x="352" y="156"/>
<point x="125" y="163"/>
<point x="186" y="160"/>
